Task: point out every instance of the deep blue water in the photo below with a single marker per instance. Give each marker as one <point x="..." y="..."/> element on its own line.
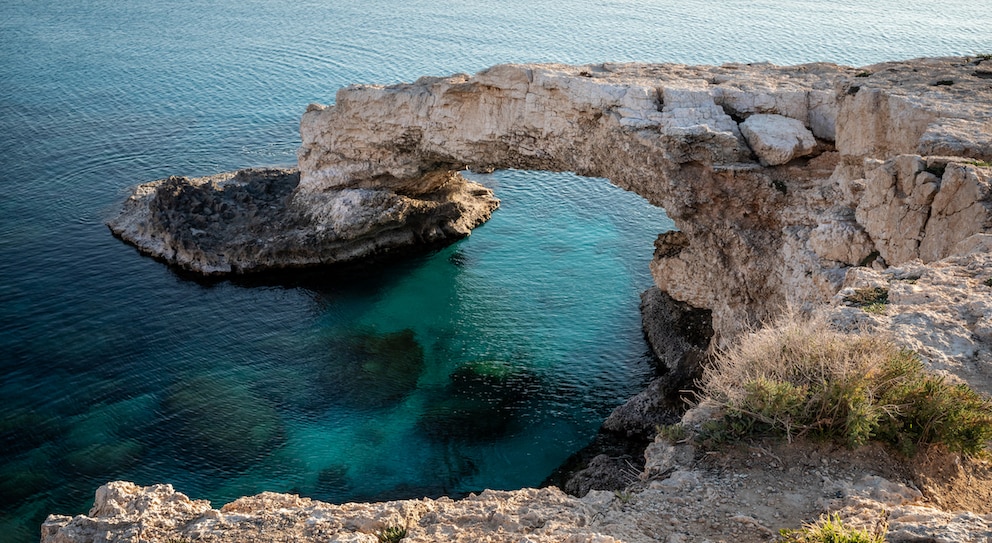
<point x="483" y="365"/>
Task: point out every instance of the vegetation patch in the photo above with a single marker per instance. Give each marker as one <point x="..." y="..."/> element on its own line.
<point x="673" y="433"/>
<point x="830" y="529"/>
<point x="871" y="299"/>
<point x="391" y="534"/>
<point x="801" y="378"/>
<point x="979" y="163"/>
<point x="623" y="496"/>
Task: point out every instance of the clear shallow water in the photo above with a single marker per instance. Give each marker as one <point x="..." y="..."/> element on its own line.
<point x="109" y="360"/>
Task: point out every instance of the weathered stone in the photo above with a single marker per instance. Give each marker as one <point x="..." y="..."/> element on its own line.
<point x="603" y="473"/>
<point x="777" y="139"/>
<point x="841" y="241"/>
<point x="962" y="208"/>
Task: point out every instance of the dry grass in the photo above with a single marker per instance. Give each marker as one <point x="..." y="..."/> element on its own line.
<point x="800" y="377"/>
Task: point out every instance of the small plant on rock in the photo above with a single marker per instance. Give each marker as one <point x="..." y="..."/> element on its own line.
<point x="831" y="529"/>
<point x="391" y="534"/>
<point x="674" y="433"/>
<point x="623" y="496"/>
<point x="870" y="299"/>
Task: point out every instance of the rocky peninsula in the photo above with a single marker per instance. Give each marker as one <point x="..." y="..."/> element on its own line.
<point x="790" y="187"/>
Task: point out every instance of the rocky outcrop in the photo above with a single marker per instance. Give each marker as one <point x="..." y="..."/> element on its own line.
<point x="124" y="512"/>
<point x="941" y="310"/>
<point x="679" y="336"/>
<point x="745" y="495"/>
<point x="257" y="219"/>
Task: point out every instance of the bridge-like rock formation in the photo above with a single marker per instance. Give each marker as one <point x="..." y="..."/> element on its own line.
<point x="778" y="178"/>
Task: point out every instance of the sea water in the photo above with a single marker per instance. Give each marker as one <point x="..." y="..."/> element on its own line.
<point x="482" y="365"/>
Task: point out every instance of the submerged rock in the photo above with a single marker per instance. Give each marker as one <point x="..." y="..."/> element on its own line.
<point x="219" y="422"/>
<point x="480" y="403"/>
<point x="372" y="370"/>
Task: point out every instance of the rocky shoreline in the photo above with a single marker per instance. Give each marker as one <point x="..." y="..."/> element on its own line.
<point x="790" y="186"/>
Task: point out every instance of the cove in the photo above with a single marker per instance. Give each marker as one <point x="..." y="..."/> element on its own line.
<point x="482" y="365"/>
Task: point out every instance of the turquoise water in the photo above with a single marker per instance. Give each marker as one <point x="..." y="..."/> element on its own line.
<point x="483" y="365"/>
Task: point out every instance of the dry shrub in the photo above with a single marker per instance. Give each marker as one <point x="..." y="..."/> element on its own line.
<point x="799" y="376"/>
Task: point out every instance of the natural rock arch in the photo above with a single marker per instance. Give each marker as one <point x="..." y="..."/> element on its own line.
<point x="779" y="179"/>
<point x="770" y="173"/>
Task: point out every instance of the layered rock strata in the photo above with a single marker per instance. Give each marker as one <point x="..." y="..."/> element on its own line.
<point x="257" y="219"/>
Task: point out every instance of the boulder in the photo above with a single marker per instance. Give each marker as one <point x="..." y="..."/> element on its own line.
<point x="777" y="139"/>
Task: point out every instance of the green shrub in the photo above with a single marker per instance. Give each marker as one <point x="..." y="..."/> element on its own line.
<point x="802" y="378"/>
<point x="673" y="432"/>
<point x="391" y="534"/>
<point x="830" y="529"/>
